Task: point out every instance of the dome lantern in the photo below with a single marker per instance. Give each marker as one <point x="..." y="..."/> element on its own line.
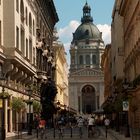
<point x="86" y="14"/>
<point x="87" y="29"/>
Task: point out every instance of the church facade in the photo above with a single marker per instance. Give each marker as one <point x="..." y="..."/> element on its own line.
<point x="86" y="79"/>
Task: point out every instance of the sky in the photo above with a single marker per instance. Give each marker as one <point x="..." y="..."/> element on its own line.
<point x="70" y="13"/>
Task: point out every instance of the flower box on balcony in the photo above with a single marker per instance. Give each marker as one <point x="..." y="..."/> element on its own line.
<point x="4" y="95"/>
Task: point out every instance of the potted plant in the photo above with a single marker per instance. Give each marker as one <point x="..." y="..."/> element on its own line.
<point x="18" y="105"/>
<point x="4" y="95"/>
<point x="36" y="107"/>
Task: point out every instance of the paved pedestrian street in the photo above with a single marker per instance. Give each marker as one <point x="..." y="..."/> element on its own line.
<point x="70" y="134"/>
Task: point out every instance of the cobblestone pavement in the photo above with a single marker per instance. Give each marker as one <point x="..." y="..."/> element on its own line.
<point x="71" y="134"/>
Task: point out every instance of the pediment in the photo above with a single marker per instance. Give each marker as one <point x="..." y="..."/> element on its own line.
<point x="87" y="72"/>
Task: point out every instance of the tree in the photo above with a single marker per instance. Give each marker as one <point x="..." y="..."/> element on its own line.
<point x="48" y="92"/>
<point x="36" y="107"/>
<point x="18" y="105"/>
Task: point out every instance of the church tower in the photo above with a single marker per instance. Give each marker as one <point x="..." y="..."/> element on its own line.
<point x="86" y="80"/>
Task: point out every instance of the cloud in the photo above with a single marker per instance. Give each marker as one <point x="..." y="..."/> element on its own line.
<point x="65" y="34"/>
<point x="67" y="46"/>
<point x="106" y="32"/>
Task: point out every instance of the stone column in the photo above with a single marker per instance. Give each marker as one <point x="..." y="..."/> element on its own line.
<point x="11" y="124"/>
<point x="84" y="60"/>
<point x="91" y="63"/>
<point x="81" y="112"/>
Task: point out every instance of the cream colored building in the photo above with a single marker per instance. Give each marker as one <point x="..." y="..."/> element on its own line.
<point x="86" y="79"/>
<point x="61" y="74"/>
<point x="26" y="36"/>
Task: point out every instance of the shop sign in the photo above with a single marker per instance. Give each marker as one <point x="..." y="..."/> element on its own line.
<point x="125" y="106"/>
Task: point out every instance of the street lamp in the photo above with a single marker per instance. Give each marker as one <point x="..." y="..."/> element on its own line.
<point x="55" y="117"/>
<point x="126" y="107"/>
<point x="29" y="111"/>
<point x="58" y="105"/>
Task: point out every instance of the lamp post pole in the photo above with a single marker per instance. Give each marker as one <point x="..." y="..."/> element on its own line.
<point x="58" y="107"/>
<point x="30" y="114"/>
<point x="127" y="126"/>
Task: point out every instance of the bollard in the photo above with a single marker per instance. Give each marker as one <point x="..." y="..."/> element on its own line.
<point x="54" y="132"/>
<point x="37" y="132"/>
<point x="106" y="132"/>
<point x="71" y="132"/>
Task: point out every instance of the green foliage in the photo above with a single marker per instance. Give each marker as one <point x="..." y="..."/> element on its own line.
<point x="4" y="95"/>
<point x="35" y="88"/>
<point x="36" y="107"/>
<point x="17" y="104"/>
<point x="118" y="107"/>
<point x="109" y="108"/>
<point x="48" y="110"/>
<point x="48" y="92"/>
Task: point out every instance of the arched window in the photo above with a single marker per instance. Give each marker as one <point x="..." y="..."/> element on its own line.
<point x="22" y="11"/>
<point x="80" y="59"/>
<point x="30" y="23"/>
<point x="94" y="59"/>
<point x="87" y="59"/>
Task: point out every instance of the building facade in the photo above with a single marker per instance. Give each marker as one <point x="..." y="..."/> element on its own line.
<point x="86" y="79"/>
<point x="131" y="24"/>
<point x="124" y="68"/>
<point x="61" y="73"/>
<point x="106" y="66"/>
<point x="26" y="36"/>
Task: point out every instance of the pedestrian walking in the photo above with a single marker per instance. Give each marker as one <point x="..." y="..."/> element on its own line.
<point x="42" y="127"/>
<point x="91" y="125"/>
<point x="107" y="123"/>
<point x="80" y="123"/>
<point x="36" y="124"/>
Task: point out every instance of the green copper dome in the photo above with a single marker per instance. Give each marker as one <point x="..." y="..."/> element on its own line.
<point x="87" y="30"/>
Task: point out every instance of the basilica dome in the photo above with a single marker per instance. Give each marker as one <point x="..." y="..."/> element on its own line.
<point x="87" y="31"/>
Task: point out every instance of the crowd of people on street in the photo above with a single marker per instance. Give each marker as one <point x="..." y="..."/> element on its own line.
<point x="70" y="121"/>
